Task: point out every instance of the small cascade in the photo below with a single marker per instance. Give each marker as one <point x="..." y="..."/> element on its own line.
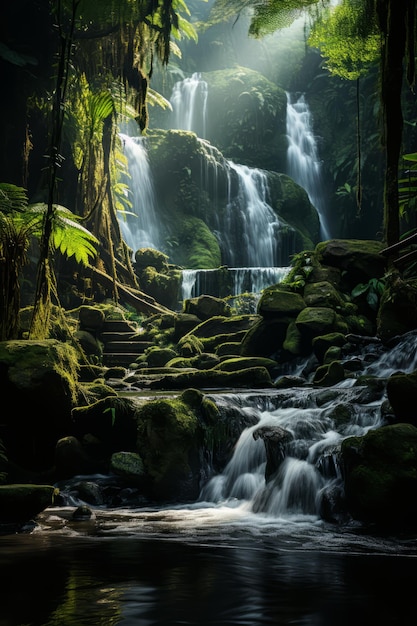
<point x="249" y="229"/>
<point x="307" y="467"/>
<point x="232" y="280"/>
<point x="304" y="166"/>
<point x="140" y="228"/>
<point x="189" y="104"/>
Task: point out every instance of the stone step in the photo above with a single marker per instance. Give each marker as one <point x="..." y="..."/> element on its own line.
<point x="108" y="336"/>
<point x="128" y="347"/>
<point x="118" y="326"/>
<point x="124" y="359"/>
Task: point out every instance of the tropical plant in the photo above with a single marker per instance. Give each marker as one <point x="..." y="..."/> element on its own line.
<point x="20" y="223"/>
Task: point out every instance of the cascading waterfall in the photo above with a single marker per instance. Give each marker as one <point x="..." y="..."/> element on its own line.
<point x="139" y="227"/>
<point x="240" y="280"/>
<point x="309" y="468"/>
<point x="304" y="166"/>
<point x="189" y="104"/>
<point x="249" y="229"/>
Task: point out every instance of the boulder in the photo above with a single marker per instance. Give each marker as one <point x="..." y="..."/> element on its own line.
<point x="314" y="321"/>
<point x="380" y="471"/>
<point x="359" y="260"/>
<point x="39" y="388"/>
<point x="280" y="301"/>
<point x="21" y="503"/>
<point x="402" y="396"/>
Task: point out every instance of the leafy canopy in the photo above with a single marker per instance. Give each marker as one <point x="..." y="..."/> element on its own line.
<point x="348" y="37"/>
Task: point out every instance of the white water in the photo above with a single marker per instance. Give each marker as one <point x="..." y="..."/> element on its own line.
<point x="189" y="104"/>
<point x="303" y="163"/>
<point x="250" y="231"/>
<point x="140" y="229"/>
<point x="243" y="280"/>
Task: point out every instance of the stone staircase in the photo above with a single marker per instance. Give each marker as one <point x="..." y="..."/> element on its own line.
<point x="121" y="343"/>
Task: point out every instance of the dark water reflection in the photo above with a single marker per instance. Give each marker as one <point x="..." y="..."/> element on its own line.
<point x="50" y="579"/>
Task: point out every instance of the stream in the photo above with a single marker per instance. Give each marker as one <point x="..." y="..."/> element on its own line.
<point x="247" y="552"/>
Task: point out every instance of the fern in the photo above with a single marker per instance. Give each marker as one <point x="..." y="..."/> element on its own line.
<point x="68" y="235"/>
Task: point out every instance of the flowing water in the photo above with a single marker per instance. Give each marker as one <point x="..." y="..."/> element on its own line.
<point x="248" y="551"/>
<point x="140" y="225"/>
<point x="304" y="165"/>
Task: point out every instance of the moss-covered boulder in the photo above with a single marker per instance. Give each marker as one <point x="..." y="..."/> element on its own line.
<point x="39" y="385"/>
<point x="169" y="440"/>
<point x="21" y="503"/>
<point x="129" y="466"/>
<point x="280" y="301"/>
<point x="329" y="374"/>
<point x="315" y="321"/>
<point x="265" y="338"/>
<point x="380" y="472"/>
<point x="359" y="260"/>
<point x="206" y="306"/>
<point x="322" y="343"/>
<point x="292" y="204"/>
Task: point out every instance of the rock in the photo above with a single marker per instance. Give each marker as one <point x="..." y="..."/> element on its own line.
<point x="128" y="465"/>
<point x="402" y="396"/>
<point x="322" y="343"/>
<point x="314" y="321"/>
<point x="71" y="459"/>
<point x="329" y="375"/>
<point x="40" y="387"/>
<point x="20" y="503"/>
<point x="274" y="438"/>
<point x="280" y="301"/>
<point x="360" y="260"/>
<point x="381" y="475"/>
<point x="91" y="318"/>
<point x="204" y="307"/>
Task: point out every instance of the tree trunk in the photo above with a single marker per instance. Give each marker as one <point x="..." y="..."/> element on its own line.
<point x="391" y="86"/>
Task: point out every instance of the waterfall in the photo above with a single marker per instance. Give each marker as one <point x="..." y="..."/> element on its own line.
<point x="140" y="228"/>
<point x="304" y="166"/>
<point x="189" y="104"/>
<point x="309" y="466"/>
<point x="249" y="229"/>
<point x="237" y="280"/>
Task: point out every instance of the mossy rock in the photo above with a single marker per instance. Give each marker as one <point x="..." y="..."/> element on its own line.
<point x="40" y="381"/>
<point x="265" y="338"/>
<point x="329" y="374"/>
<point x="128" y="465"/>
<point x="149" y="257"/>
<point x="168" y="440"/>
<point x="239" y="363"/>
<point x="324" y="294"/>
<point x="21" y="503"/>
<point x="360" y="260"/>
<point x="314" y="321"/>
<point x="293" y="342"/>
<point x="381" y="475"/>
<point x="158" y="357"/>
<point x="251" y="377"/>
<point x="205" y="307"/>
<point x="322" y="343"/>
<point x="280" y="301"/>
